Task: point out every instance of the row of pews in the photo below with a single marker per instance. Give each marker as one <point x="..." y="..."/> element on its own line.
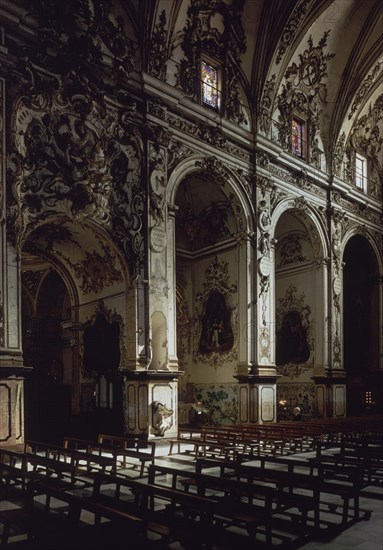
<point x="283" y="438"/>
<point x="240" y="493"/>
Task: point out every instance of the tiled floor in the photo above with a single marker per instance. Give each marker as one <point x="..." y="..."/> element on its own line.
<point x="363" y="535"/>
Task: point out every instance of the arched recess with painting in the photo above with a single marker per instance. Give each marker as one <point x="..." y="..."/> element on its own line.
<point x="301" y="306"/>
<point x="361" y="329"/>
<point x="213" y="279"/>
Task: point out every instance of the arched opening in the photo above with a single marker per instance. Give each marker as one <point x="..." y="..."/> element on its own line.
<point x="361" y="327"/>
<point x="299" y="313"/>
<point x="74" y="318"/>
<point x="207" y="266"/>
<point x="48" y="389"/>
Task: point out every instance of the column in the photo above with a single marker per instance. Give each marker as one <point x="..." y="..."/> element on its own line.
<point x="258" y="390"/>
<point x="11" y="357"/>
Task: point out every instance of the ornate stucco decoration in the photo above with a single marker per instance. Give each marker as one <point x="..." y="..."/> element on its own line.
<point x="291" y="250"/>
<point x="365" y="87"/>
<point x="217" y="280"/>
<point x="338" y="155"/>
<point x="74" y="158"/>
<point x="224" y="42"/>
<point x="31" y="279"/>
<point x="159" y="49"/>
<point x="300" y="203"/>
<point x="213" y="167"/>
<point x="176" y="153"/>
<point x="86" y="39"/>
<point x="157" y="180"/>
<point x="157" y="108"/>
<point x="214" y="136"/>
<point x="291" y="302"/>
<point x="365" y="138"/>
<point x="291" y="28"/>
<point x="266" y="104"/>
<point x="96" y="271"/>
<point x="338" y="219"/>
<point x="302" y="94"/>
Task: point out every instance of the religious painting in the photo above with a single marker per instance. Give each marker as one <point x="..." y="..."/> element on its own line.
<point x="216" y="333"/>
<point x="292" y="345"/>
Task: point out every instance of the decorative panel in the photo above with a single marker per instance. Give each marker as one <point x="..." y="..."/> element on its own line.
<point x="142" y="407"/>
<point x="254" y="416"/>
<point x="5" y="412"/>
<point x="340" y="400"/>
<point x="131" y="416"/>
<point x="320" y="401"/>
<point x="243" y="404"/>
<point x="267" y="404"/>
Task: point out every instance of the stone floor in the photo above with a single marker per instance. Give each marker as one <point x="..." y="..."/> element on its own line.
<point x="363" y="535"/>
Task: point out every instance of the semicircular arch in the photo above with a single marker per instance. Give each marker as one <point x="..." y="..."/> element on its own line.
<point x="229" y="183"/>
<point x="356" y="231"/>
<point x="312" y="222"/>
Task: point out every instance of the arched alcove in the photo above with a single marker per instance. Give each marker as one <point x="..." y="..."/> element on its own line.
<point x="207" y="222"/>
<point x="298" y="311"/>
<point x="361" y="327"/>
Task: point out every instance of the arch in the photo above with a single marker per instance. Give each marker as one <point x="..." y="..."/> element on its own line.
<point x="357" y="230"/>
<point x="193" y="166"/>
<point x="309" y="213"/>
<point x="362" y="314"/>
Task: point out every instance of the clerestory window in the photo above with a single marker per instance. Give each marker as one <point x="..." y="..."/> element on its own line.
<point x="361" y="172"/>
<point x="210" y="85"/>
<point x="299" y="138"/>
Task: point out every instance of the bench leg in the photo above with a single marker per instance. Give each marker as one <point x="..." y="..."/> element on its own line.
<point x="5" y="535"/>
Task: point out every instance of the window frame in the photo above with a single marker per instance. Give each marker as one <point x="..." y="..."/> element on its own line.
<point x="360" y="176"/>
<point x="304" y="145"/>
<point x="217" y="66"/>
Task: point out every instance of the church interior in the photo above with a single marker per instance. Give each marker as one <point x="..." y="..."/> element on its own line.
<point x="191" y="207"/>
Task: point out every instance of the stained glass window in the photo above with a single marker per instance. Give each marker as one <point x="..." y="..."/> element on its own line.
<point x="209" y="78"/>
<point x="298" y="138"/>
<point x="360" y="172"/>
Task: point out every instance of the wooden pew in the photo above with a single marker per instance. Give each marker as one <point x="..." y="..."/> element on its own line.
<point x="102" y="447"/>
<point x="312" y="485"/>
<point x="65" y="530"/>
<point x="130" y="447"/>
<point x="250" y="506"/>
<point x="12" y="469"/>
<point x="183" y="528"/>
<point x="185" y="436"/>
<point x="83" y="460"/>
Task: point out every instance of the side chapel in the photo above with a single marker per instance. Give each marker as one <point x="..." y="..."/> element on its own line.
<point x="190" y="213"/>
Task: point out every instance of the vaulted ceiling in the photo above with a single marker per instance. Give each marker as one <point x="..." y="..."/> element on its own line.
<point x="276" y="34"/>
